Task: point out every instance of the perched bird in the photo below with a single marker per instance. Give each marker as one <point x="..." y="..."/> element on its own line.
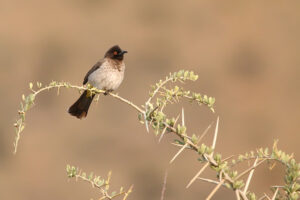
<point x="107" y="74"/>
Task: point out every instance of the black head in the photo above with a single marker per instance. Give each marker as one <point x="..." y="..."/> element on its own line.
<point x="115" y="52"/>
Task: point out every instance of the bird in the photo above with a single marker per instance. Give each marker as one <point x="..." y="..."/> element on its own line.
<point x="107" y="74"/>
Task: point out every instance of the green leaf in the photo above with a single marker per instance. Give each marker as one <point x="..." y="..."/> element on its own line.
<point x="90" y="176"/>
<point x="113" y="193"/>
<point x="211" y="100"/>
<point x="186" y="73"/>
<point x="238" y="184"/>
<point x="179" y="74"/>
<point x="39" y="84"/>
<point x="194" y="138"/>
<point x="202" y="149"/>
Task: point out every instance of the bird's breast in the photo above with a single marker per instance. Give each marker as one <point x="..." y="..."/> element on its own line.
<point x="107" y="77"/>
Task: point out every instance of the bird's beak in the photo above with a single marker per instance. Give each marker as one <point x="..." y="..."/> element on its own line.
<point x="123" y="52"/>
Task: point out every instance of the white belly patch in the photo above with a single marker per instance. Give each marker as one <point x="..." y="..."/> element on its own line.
<point x="106" y="77"/>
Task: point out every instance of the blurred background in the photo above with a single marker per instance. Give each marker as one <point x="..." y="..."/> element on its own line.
<point x="246" y="55"/>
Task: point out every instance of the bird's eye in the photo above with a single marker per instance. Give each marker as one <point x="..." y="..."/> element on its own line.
<point x="115" y="53"/>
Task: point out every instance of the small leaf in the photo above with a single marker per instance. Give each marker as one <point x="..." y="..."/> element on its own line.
<point x="194" y="138"/>
<point x="100" y="182"/>
<point x="39" y="84"/>
<point x="186" y="73"/>
<point x="113" y="193"/>
<point x="90" y="176"/>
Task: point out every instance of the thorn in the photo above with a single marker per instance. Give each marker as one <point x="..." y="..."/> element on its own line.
<point x="162" y="134"/>
<point x="146" y="122"/>
<point x="215" y="136"/>
<point x="197" y="175"/>
<point x="275" y="194"/>
<point x="208" y="180"/>
<point x="180" y="151"/>
<point x="237" y="195"/>
<point x="182" y="117"/>
<point x="250" y="177"/>
<point x="164" y="186"/>
<point x="204" y="133"/>
<point x="215" y="190"/>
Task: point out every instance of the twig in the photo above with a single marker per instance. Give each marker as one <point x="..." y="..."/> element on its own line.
<point x="89" y="181"/>
<point x="127" y="101"/>
<point x="128" y="192"/>
<point x="21" y="121"/>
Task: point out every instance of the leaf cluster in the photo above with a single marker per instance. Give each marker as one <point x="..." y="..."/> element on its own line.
<point x="98" y="182"/>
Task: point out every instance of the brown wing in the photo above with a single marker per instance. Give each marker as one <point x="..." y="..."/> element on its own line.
<point x="94" y="68"/>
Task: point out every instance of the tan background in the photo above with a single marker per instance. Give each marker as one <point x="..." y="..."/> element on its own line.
<point x="246" y="55"/>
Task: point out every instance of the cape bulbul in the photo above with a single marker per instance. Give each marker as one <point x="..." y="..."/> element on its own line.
<point x="107" y="74"/>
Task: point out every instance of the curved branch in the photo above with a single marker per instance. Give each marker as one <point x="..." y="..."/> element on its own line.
<point x="28" y="102"/>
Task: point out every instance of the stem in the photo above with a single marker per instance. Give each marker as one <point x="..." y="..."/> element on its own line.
<point x="128" y="102"/>
<point x="20" y="126"/>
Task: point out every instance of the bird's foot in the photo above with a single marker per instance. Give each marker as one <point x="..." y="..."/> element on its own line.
<point x="107" y="92"/>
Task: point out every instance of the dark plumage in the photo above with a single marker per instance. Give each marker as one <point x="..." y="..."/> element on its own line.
<point x="81" y="106"/>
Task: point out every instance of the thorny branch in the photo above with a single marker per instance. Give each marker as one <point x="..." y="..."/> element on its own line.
<point x="152" y="114"/>
<point x="97" y="182"/>
<point x="28" y="102"/>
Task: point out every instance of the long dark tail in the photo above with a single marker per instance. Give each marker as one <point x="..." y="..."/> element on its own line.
<point x="80" y="108"/>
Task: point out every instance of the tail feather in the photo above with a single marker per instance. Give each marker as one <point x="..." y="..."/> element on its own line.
<point x="80" y="108"/>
